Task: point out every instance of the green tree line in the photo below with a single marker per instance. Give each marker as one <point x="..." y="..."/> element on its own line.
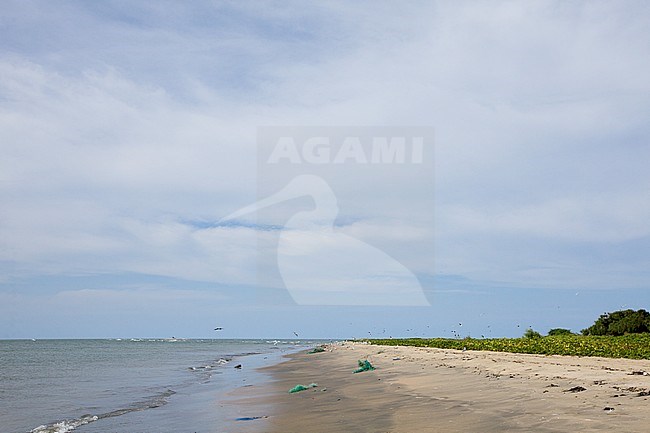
<point x="620" y="323"/>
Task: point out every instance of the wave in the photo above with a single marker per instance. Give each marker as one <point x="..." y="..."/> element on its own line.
<point x="66" y="425"/>
<point x="69" y="425"/>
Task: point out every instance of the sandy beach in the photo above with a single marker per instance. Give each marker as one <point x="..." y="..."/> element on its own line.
<point x="435" y="390"/>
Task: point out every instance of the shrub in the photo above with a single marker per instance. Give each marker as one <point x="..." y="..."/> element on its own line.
<point x="620" y="323"/>
<point x="633" y="346"/>
<point x="532" y="334"/>
<point x="559" y="331"/>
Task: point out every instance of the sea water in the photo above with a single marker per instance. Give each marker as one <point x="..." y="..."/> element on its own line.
<point x="129" y="385"/>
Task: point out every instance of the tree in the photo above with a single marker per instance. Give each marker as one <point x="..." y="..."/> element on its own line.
<point x="559" y="331"/>
<point x="532" y="334"/>
<point x="620" y="323"/>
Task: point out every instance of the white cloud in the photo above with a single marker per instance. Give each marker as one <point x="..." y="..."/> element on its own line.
<point x="114" y="134"/>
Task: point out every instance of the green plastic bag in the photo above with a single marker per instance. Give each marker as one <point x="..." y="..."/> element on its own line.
<point x="364" y="365"/>
<point x="299" y="388"/>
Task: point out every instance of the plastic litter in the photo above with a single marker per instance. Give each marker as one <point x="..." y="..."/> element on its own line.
<point x="317" y="350"/>
<point x="576" y="389"/>
<point x="250" y="418"/>
<point x="364" y="365"/>
<point x="299" y="387"/>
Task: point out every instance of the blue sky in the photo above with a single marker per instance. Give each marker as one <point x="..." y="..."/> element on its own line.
<point x="129" y="129"/>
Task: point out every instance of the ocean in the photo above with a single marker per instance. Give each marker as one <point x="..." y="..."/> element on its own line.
<point x="130" y="385"/>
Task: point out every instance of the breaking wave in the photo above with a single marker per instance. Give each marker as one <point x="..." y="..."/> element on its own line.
<point x="69" y="425"/>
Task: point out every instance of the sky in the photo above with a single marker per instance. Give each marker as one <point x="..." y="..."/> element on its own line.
<point x="130" y="131"/>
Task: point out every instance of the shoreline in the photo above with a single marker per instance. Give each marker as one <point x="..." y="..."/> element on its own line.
<point x="250" y="378"/>
<point x="446" y="390"/>
<point x="121" y="385"/>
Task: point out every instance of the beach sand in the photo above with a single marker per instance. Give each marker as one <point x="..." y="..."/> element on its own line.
<point x="436" y="390"/>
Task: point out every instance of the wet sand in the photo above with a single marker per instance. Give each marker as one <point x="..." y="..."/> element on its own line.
<point x="435" y="390"/>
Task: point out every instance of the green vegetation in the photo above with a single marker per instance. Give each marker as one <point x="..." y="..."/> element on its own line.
<point x="532" y="334"/>
<point x="620" y="323"/>
<point x="621" y="334"/>
<point x="559" y="331"/>
<point x="634" y="346"/>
